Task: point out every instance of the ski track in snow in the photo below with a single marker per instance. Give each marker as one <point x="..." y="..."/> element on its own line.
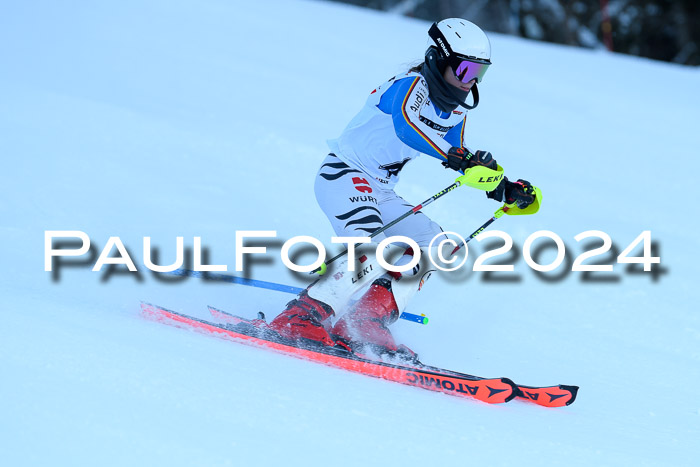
<point x="129" y="119"/>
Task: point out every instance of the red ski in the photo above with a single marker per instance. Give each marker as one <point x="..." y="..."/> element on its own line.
<point x="255" y="332"/>
<point x="547" y="396"/>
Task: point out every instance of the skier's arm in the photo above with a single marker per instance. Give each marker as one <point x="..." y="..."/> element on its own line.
<point x="456" y="134"/>
<point x="410" y="96"/>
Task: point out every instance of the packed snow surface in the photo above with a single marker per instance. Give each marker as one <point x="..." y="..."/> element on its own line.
<point x="201" y="118"/>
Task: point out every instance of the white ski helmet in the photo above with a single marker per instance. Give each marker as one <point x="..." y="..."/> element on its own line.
<point x="462" y="45"/>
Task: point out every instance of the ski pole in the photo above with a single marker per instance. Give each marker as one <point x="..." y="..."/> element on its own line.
<point x="502" y="210"/>
<point x="236" y="280"/>
<point x="322" y="269"/>
<point x="530" y="209"/>
<point x="421" y="319"/>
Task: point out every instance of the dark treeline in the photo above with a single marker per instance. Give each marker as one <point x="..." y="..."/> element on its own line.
<point x="666" y="30"/>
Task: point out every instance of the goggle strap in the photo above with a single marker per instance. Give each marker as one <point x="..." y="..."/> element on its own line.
<point x="441" y="41"/>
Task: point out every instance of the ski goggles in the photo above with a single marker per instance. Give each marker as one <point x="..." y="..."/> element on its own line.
<point x="467" y="69"/>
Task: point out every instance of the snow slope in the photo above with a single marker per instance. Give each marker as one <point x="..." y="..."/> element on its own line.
<point x="137" y="119"/>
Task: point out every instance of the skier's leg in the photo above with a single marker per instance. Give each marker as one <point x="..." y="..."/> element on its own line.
<point x="418" y="227"/>
<point x="368" y="320"/>
<point x="348" y="197"/>
<point x="357" y="205"/>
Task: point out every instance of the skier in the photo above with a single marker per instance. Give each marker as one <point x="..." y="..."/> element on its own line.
<point x="417" y="112"/>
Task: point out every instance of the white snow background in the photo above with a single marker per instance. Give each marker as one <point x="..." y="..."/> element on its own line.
<point x="204" y="118"/>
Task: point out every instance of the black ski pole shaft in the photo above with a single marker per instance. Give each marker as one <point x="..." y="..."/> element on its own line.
<point x="497" y="214"/>
<point x="425" y="203"/>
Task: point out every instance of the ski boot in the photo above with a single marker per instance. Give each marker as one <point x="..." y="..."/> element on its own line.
<point x="365" y="327"/>
<point x="304" y="317"/>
